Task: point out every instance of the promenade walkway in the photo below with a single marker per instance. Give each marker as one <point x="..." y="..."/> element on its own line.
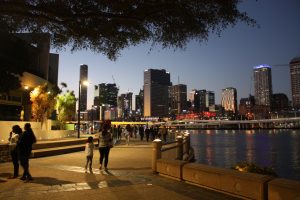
<point x="129" y="177"/>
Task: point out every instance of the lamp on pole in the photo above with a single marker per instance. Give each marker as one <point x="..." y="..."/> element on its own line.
<point x="79" y="94"/>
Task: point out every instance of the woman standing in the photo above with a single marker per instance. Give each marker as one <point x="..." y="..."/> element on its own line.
<point x="13" y="139"/>
<point x="105" y="141"/>
<point x="24" y="149"/>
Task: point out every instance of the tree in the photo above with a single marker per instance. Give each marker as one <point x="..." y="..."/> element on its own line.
<point x="66" y="106"/>
<point x="109" y="26"/>
<point x="43" y="100"/>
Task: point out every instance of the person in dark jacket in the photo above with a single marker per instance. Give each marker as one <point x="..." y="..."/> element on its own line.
<point x="24" y="148"/>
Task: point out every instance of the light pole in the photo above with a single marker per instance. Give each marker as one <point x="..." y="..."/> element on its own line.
<point x="78" y="117"/>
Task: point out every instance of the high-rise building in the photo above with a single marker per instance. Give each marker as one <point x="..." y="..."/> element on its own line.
<point x="178" y="98"/>
<point x="209" y="98"/>
<point x="246" y="107"/>
<point x="280" y="102"/>
<point x="229" y="99"/>
<point x="83" y="90"/>
<point x="106" y="94"/>
<point x="156" y="93"/>
<point x="262" y="85"/>
<point x="125" y="105"/>
<point x="295" y="81"/>
<point x="139" y="103"/>
<point x="198" y="100"/>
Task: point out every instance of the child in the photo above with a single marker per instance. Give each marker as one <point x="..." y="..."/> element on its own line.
<point x="89" y="148"/>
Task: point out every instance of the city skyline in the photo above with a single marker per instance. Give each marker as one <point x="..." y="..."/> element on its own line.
<point x="221" y="62"/>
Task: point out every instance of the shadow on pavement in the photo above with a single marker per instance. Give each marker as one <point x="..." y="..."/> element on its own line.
<point x="49" y="181"/>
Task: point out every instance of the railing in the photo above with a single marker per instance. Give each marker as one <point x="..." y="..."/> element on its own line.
<point x="181" y="146"/>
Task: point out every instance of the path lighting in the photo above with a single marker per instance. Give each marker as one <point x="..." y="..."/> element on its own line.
<point x="86" y="83"/>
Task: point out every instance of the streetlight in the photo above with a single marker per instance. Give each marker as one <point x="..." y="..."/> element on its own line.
<point x="86" y="83"/>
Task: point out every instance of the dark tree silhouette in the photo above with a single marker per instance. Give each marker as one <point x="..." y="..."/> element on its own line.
<point x="108" y="26"/>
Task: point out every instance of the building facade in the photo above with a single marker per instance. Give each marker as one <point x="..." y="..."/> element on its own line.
<point x="229" y="99"/>
<point x="125" y="105"/>
<point x="106" y="94"/>
<point x="42" y="68"/>
<point x="156" y="92"/>
<point x="209" y="98"/>
<point x="295" y="81"/>
<point x="262" y="78"/>
<point x="83" y="88"/>
<point x="178" y="95"/>
<point x="139" y="103"/>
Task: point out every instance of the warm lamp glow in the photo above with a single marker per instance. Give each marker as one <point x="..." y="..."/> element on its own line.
<point x="86" y="83"/>
<point x="26" y="87"/>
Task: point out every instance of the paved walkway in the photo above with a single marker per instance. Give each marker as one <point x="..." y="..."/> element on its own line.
<point x="129" y="177"/>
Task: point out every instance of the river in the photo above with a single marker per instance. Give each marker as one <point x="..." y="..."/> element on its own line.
<point x="278" y="148"/>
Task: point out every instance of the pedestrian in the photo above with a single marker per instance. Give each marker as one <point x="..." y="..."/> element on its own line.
<point x="115" y="134"/>
<point x="89" y="151"/>
<point x="164" y="132"/>
<point x="105" y="141"/>
<point x="127" y="133"/>
<point x="141" y="132"/>
<point x="147" y="133"/>
<point x="13" y="139"/>
<point x="24" y="150"/>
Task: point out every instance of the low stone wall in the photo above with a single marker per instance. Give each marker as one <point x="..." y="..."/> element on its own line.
<point x="41" y="133"/>
<point x="248" y="185"/>
<point x="283" y="189"/>
<point x="172" y="168"/>
<point x="4" y="153"/>
<point x="241" y="184"/>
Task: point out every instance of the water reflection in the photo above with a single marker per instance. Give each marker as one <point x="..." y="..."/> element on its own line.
<point x="276" y="148"/>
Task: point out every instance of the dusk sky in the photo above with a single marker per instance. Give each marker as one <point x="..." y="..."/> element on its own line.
<point x="220" y="62"/>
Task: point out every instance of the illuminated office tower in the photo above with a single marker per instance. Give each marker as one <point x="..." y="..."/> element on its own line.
<point x="295" y="81"/>
<point x="209" y="98"/>
<point x="83" y="90"/>
<point x="262" y="85"/>
<point x="178" y="98"/>
<point x="229" y="99"/>
<point x="156" y="92"/>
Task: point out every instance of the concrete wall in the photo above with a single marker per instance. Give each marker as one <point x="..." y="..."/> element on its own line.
<point x="241" y="184"/>
<point x="41" y="133"/>
<point x="283" y="189"/>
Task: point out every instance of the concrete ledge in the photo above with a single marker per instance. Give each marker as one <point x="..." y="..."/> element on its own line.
<point x="246" y="185"/>
<point x="172" y="168"/>
<point x="56" y="151"/>
<point x="281" y="189"/>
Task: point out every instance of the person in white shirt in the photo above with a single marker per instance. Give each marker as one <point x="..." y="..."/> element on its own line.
<point x="13" y="139"/>
<point x="89" y="151"/>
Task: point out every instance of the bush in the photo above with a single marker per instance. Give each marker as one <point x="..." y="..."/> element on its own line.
<point x="253" y="168"/>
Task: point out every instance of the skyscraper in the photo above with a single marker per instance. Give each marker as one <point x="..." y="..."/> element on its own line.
<point x="178" y="98"/>
<point x="156" y="93"/>
<point x="229" y="99"/>
<point x="295" y="81"/>
<point x="106" y="94"/>
<point x="125" y="105"/>
<point x="209" y="98"/>
<point x="83" y="90"/>
<point x="262" y="85"/>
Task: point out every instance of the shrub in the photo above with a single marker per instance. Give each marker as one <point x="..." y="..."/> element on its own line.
<point x="253" y="168"/>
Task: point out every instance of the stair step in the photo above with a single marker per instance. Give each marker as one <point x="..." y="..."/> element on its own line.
<point x="57" y="150"/>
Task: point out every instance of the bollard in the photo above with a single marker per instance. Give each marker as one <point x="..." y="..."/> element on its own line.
<point x="187" y="143"/>
<point x="156" y="153"/>
<point x="179" y="149"/>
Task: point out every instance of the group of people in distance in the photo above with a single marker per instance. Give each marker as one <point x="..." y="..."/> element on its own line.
<point x="109" y="135"/>
<point x="20" y="147"/>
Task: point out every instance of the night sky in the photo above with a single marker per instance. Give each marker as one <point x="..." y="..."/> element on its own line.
<point x="220" y="62"/>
